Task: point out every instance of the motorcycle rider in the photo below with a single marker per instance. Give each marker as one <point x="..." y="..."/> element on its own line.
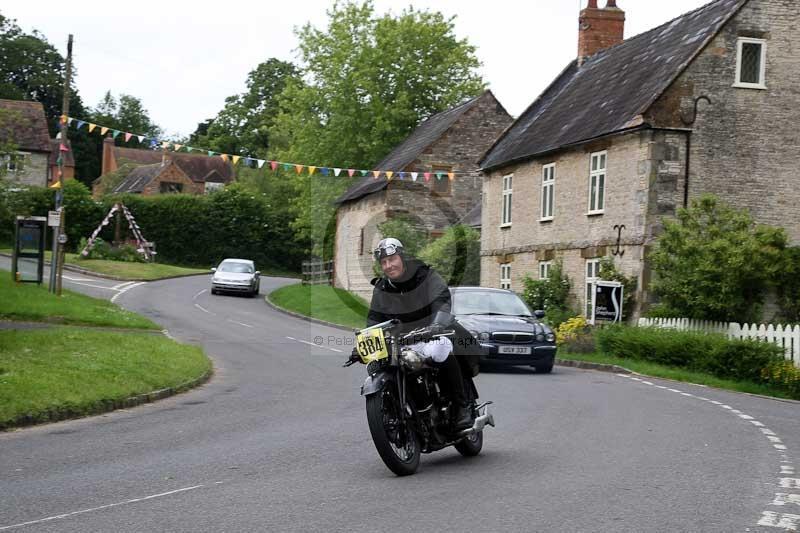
<point x="413" y="292"/>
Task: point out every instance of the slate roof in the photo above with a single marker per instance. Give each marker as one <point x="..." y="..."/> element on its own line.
<point x="196" y="166"/>
<point x="473" y="218"/>
<point x="405" y="153"/>
<point x="138" y="178"/>
<point x="28" y="129"/>
<point x="612" y="89"/>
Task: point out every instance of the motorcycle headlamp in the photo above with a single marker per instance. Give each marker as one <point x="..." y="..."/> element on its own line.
<point x="412" y="360"/>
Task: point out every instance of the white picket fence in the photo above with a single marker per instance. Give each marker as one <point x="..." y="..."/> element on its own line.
<point x="787" y="337"/>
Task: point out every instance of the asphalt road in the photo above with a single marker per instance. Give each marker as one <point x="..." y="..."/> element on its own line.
<point x="278" y="441"/>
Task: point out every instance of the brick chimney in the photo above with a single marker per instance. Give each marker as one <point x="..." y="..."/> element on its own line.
<point x="599" y="29"/>
<point x="109" y="161"/>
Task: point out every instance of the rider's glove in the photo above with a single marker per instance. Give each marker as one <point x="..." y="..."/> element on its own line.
<point x="354" y="356"/>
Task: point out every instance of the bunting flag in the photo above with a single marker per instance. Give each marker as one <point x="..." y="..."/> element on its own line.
<point x="56" y="185"/>
<point x="62" y="147"/>
<point x="248" y="161"/>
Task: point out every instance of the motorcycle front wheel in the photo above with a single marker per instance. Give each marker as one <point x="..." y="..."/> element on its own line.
<point x="397" y="444"/>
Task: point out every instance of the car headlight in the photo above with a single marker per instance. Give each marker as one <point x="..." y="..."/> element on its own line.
<point x="550" y="337"/>
<point x="484" y="336"/>
<point x="540" y="337"/>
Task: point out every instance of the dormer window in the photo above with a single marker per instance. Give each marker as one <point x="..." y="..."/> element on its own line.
<point x="751" y="55"/>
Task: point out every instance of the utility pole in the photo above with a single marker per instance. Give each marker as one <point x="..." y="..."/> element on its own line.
<point x="57" y="261"/>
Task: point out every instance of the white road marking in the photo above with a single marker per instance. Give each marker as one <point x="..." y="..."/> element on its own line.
<point x="203" y="309"/>
<point x="780" y="447"/>
<point x="773" y="439"/>
<point x="782" y="499"/>
<point x="728" y="407"/>
<point x="787" y="469"/>
<point x="118" y="287"/>
<point x="789" y="483"/>
<point x="786" y="521"/>
<point x="313" y="344"/>
<point x="757" y="423"/>
<point x="126" y="502"/>
<point x="766" y="431"/>
<point x="715" y="402"/>
<point x="198" y="294"/>
<point x="674" y="390"/>
<point x="126" y="289"/>
<point x="240" y="323"/>
<point x="646" y="382"/>
<point x="90" y="285"/>
<point x="291" y="338"/>
<point x="687" y="394"/>
<point x="75" y="279"/>
<point x="745" y="417"/>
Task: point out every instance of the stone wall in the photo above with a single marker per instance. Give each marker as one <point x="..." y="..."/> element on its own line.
<point x="172" y="174"/>
<point x="33" y="172"/>
<point x="745" y="143"/>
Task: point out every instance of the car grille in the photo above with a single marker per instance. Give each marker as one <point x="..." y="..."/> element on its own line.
<point x="512" y="337"/>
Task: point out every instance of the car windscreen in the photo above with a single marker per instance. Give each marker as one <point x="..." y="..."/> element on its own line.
<point x="239" y="268"/>
<point x="488" y="303"/>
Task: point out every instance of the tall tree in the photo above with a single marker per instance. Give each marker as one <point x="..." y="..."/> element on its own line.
<point x="368" y="81"/>
<point x="32" y="69"/>
<point x="243" y="125"/>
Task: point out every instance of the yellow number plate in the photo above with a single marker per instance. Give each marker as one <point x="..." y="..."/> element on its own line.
<point x="371" y="346"/>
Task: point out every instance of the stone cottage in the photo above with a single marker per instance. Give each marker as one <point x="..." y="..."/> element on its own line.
<point x="158" y="172"/>
<point x="24" y="126"/>
<point x="435" y="182"/>
<point x="632" y="130"/>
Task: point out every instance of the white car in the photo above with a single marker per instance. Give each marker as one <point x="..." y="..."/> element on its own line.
<point x="236" y="275"/>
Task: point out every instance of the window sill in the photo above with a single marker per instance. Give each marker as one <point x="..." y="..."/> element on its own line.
<point x="595" y="213"/>
<point x="546" y="219"/>
<point x="757" y="86"/>
<point x="505" y="226"/>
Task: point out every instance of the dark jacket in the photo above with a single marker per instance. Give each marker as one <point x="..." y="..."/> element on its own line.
<point x="414" y="300"/>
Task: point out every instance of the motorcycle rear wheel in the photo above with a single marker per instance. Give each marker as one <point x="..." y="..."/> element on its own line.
<point x="402" y="458"/>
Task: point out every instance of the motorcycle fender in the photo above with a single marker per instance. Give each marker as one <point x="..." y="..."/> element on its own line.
<point x="376" y="383"/>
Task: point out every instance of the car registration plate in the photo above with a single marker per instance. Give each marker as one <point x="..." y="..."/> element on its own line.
<point x="516" y="350"/>
<point x="371" y="345"/>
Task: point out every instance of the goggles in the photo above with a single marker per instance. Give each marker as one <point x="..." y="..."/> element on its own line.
<point x="385" y="251"/>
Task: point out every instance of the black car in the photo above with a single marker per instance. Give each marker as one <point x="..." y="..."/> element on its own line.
<point x="509" y="333"/>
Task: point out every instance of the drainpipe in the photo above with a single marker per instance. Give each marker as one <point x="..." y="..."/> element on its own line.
<point x="689" y="147"/>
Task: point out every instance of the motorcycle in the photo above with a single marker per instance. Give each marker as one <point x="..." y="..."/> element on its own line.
<point x="407" y="412"/>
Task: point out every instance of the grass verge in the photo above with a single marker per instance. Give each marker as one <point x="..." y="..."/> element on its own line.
<point x="125" y="270"/>
<point x="26" y="301"/>
<point x="677" y="374"/>
<point x="323" y="302"/>
<point x="70" y="372"/>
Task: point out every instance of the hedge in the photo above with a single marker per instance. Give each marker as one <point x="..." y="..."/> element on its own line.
<point x="187" y="229"/>
<point x="715" y="354"/>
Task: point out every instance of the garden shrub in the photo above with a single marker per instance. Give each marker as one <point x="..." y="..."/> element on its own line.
<point x="715" y="354"/>
<point x="575" y="336"/>
<point x="785" y="376"/>
<point x="456" y="255"/>
<point x="550" y="295"/>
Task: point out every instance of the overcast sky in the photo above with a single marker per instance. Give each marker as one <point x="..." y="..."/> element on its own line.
<point x="183" y="58"/>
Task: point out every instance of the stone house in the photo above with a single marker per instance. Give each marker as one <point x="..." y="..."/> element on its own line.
<point x="178" y="172"/>
<point x="435" y="182"/>
<point x="24" y="126"/>
<point x="632" y="130"/>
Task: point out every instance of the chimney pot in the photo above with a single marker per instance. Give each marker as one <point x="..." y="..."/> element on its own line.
<point x="592" y="4"/>
<point x="611" y="3"/>
<point x="599" y="29"/>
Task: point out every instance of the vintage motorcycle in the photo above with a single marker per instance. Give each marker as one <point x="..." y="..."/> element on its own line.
<point x="407" y="413"/>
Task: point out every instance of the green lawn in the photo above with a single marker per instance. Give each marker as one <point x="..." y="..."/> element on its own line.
<point x="68" y="372"/>
<point x="27" y="301"/>
<point x="323" y="302"/>
<point x="125" y="270"/>
<point x="677" y="374"/>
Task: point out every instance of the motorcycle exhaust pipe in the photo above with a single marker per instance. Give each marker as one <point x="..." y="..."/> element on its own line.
<point x="481" y="421"/>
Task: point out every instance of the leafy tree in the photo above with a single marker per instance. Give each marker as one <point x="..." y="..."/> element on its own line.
<point x="368" y="80"/>
<point x="243" y="126"/>
<point x="714" y="263"/>
<point x="403" y="229"/>
<point x="456" y="255"/>
<point x="32" y="69"/>
<point x="788" y="285"/>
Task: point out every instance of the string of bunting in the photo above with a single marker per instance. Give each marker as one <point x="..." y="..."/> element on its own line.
<point x="254" y="162"/>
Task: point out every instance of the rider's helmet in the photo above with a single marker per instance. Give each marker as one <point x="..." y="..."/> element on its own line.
<point x="387" y="247"/>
